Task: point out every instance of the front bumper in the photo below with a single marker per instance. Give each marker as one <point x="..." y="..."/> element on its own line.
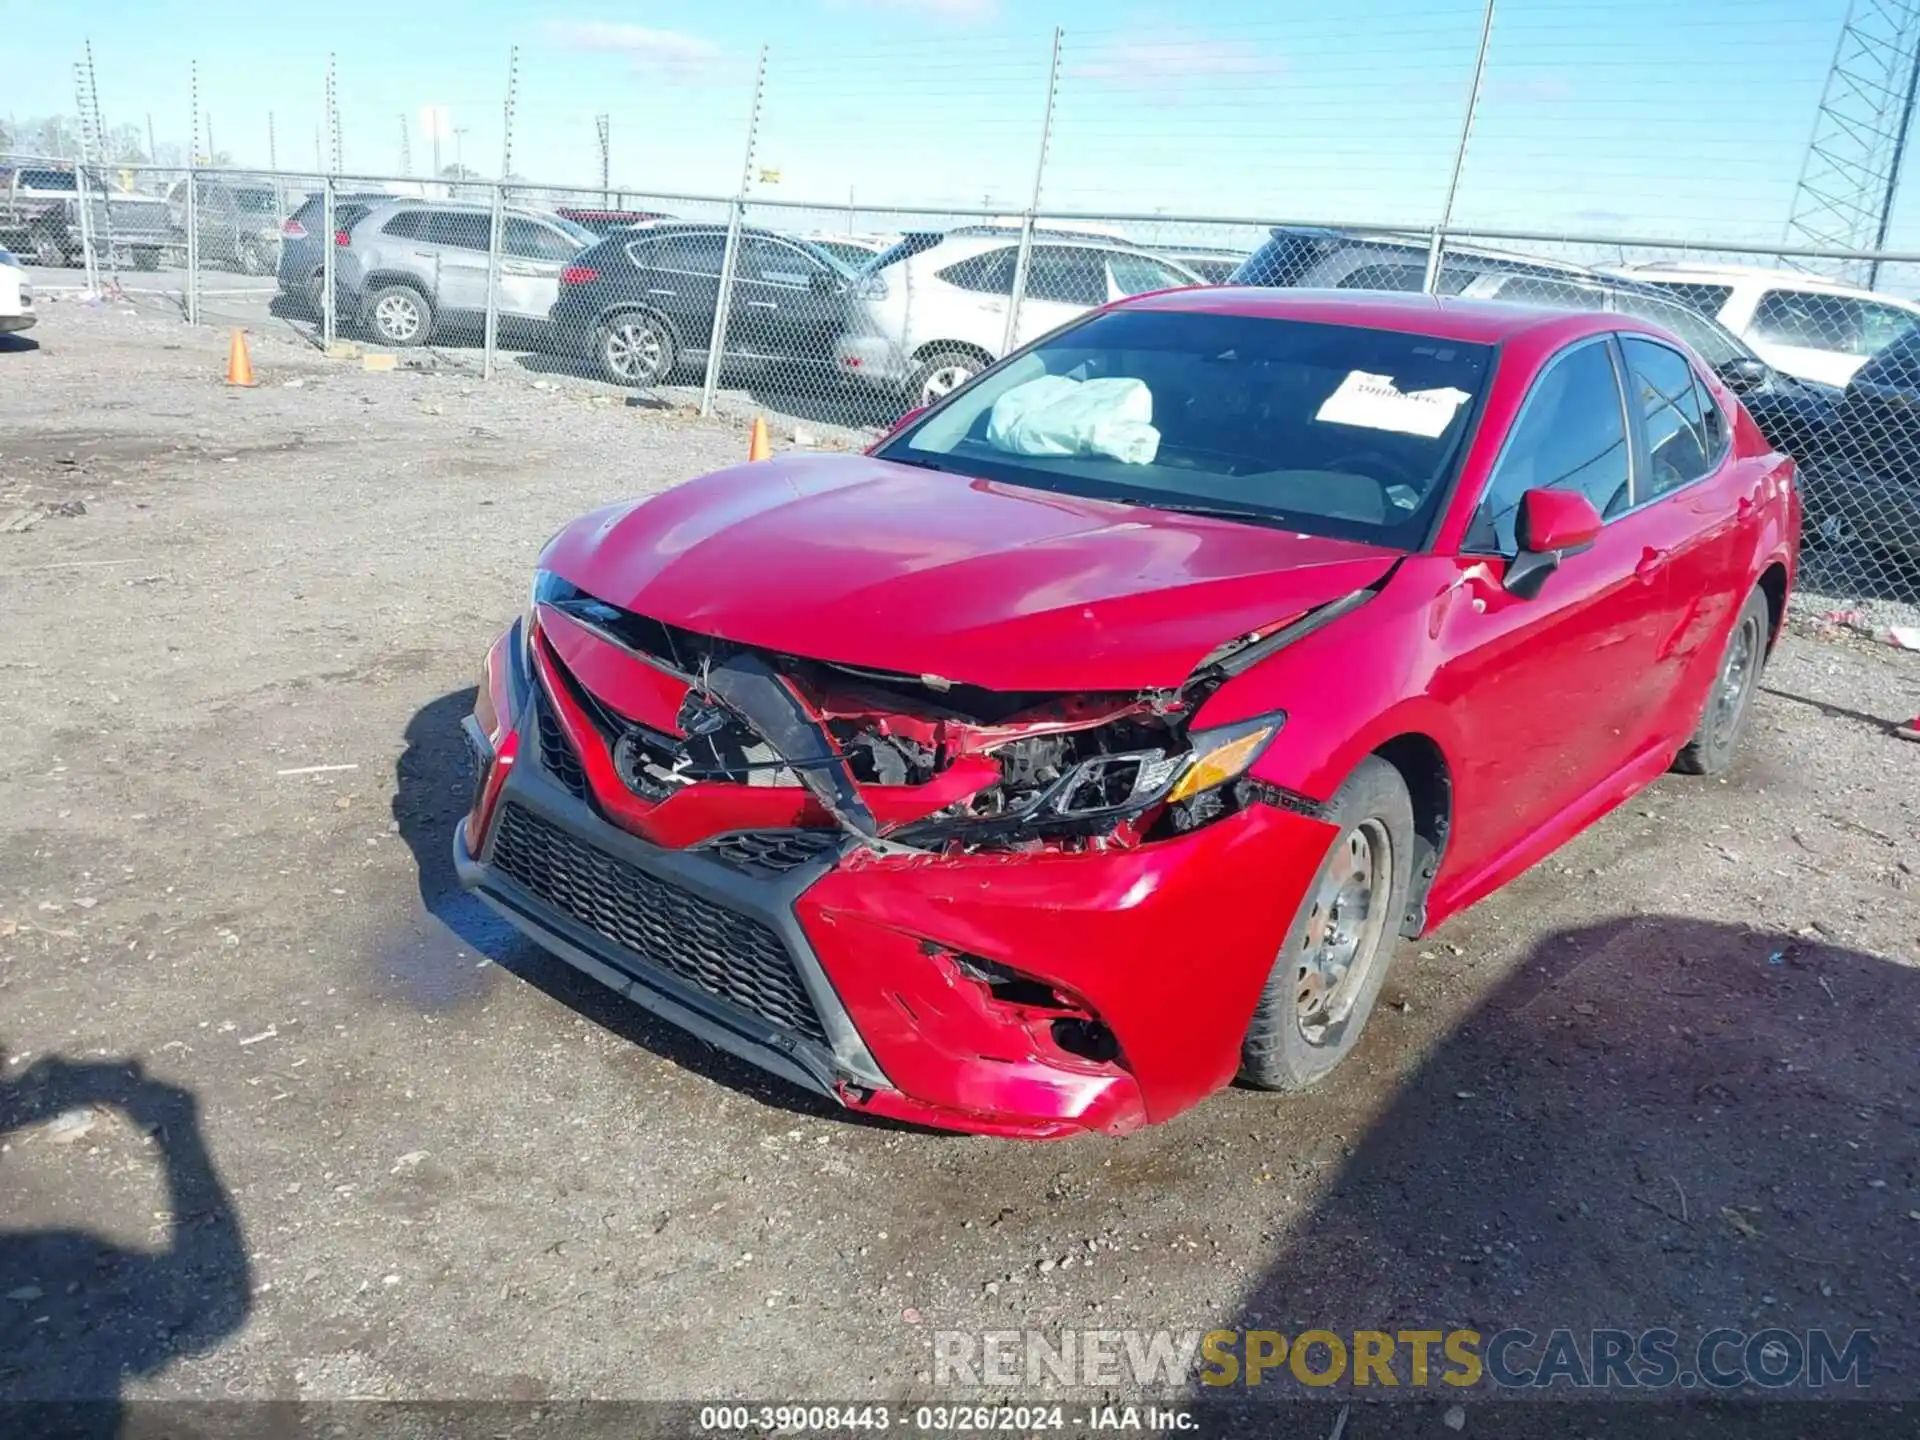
<point x="1166" y="944"/>
<point x="12" y="323"/>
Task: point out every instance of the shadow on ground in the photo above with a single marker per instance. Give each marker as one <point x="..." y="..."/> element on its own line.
<point x="79" y="1314"/>
<point x="15" y="344"/>
<point x="1655" y="1122"/>
<point x="432" y="782"/>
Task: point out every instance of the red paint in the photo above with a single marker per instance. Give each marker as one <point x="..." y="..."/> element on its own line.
<point x="1557" y="520"/>
<point x="1545" y="711"/>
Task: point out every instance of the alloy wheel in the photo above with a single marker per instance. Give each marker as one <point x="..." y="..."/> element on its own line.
<point x="943" y="382"/>
<point x="1737" y="674"/>
<point x="397" y="318"/>
<point x="633" y="351"/>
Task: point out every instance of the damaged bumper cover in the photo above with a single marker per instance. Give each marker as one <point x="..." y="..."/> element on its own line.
<point x="980" y="921"/>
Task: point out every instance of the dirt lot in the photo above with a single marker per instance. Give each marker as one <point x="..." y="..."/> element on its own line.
<point x="1668" y="1078"/>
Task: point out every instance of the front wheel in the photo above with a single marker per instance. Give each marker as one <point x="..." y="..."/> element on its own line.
<point x="1340" y="944"/>
<point x="1729" y="703"/>
<point x="635" y="350"/>
<point x="400" y="316"/>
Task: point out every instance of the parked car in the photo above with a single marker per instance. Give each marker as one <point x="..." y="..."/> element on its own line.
<point x="303" y="240"/>
<point x="40" y="219"/>
<point x="135" y="231"/>
<point x="1861" y="488"/>
<point x="994" y="780"/>
<point x="642" y="302"/>
<point x="1308" y="257"/>
<point x="238" y="221"/>
<point x="1213" y="264"/>
<point x="16" y="295"/>
<point x="412" y="268"/>
<point x="931" y="313"/>
<point x="604" y="222"/>
<point x="1816" y="329"/>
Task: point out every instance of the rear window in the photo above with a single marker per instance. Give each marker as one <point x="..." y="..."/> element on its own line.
<point x="905" y="248"/>
<point x="1330" y="429"/>
<point x="407" y="225"/>
<point x="47" y="180"/>
<point x="346" y="214"/>
<point x="1707" y="299"/>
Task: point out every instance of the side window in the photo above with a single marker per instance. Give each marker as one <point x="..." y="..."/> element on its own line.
<point x="1572" y="435"/>
<point x="1709" y="341"/>
<point x="1662" y="388"/>
<point x="407" y="225"/>
<point x="463" y="229"/>
<point x="699" y="253"/>
<point x="988" y="274"/>
<point x="1137" y="274"/>
<point x="530" y="240"/>
<point x="772" y="263"/>
<point x="1707" y="299"/>
<point x="1388" y="275"/>
<point x="1881" y="325"/>
<point x="1715" y="432"/>
<point x="1550" y="294"/>
<point x="1067" y="276"/>
<point x="1808" y="320"/>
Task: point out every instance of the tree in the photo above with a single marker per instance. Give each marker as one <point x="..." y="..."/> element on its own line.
<point x="125" y="145"/>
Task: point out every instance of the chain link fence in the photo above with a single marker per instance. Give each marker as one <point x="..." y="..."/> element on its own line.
<point x="832" y="320"/>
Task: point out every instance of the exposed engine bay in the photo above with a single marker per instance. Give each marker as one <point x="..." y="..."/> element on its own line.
<point x="923" y="764"/>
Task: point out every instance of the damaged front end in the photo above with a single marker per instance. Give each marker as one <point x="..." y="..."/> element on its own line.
<point x="901" y="764"/>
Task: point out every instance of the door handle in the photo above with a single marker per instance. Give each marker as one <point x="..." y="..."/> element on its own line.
<point x="1650" y="562"/>
<point x="657" y="291"/>
<point x="425" y="255"/>
<point x="763" y="305"/>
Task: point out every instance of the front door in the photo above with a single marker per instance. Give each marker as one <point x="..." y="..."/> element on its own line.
<point x="788" y="302"/>
<point x="532" y="257"/>
<point x="457" y="243"/>
<point x="1551" y="693"/>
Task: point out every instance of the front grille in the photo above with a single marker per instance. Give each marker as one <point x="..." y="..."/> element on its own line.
<point x="774" y="851"/>
<point x="555" y="753"/>
<point x="729" y="955"/>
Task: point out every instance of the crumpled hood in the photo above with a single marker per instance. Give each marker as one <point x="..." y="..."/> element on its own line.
<point x="891" y="567"/>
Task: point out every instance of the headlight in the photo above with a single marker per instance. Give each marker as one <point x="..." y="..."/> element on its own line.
<point x="1223" y="755"/>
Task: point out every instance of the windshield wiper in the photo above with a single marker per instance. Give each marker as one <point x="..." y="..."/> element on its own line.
<point x="918" y="464"/>
<point x="1203" y="507"/>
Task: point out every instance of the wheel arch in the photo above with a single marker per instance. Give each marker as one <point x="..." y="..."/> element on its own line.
<point x="1773" y="585"/>
<point x="635" y="307"/>
<point x="1429" y="780"/>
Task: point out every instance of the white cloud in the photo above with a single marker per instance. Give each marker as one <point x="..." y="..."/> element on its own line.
<point x="672" y="51"/>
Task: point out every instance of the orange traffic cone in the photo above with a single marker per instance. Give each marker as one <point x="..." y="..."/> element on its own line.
<point x="759" y="447"/>
<point x="239" y="363"/>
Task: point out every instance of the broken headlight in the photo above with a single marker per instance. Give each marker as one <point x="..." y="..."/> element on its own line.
<point x="1089" y="783"/>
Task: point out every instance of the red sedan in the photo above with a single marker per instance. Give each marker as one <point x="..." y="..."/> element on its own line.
<point x="1091" y="741"/>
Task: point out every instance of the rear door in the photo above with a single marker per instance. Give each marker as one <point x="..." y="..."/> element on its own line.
<point x="788" y="302"/>
<point x="532" y="257"/>
<point x="1697" y="506"/>
<point x="678" y="274"/>
<point x="455" y="248"/>
<point x="1552" y="692"/>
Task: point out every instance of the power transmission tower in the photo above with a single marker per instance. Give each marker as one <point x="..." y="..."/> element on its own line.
<point x="1851" y="174"/>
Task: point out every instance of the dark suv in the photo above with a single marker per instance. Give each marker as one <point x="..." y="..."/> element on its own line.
<point x="642" y="301"/>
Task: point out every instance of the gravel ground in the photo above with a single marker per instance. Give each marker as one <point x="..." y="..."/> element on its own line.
<point x="1666" y="1078"/>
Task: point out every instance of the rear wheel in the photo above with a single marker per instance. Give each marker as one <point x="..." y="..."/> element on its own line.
<point x="399" y="315"/>
<point x="48" y="251"/>
<point x="1729" y="703"/>
<point x="634" y="349"/>
<point x="254" y="258"/>
<point x="941" y="374"/>
<point x="1340" y="944"/>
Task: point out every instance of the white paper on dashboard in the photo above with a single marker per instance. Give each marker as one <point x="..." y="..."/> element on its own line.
<point x="1374" y="402"/>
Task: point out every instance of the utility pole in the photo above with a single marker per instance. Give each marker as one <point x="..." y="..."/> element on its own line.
<point x="459" y="163"/>
<point x="729" y="258"/>
<point x="333" y="112"/>
<point x="406" y="149"/>
<point x="273" y="146"/>
<point x="1436" y="247"/>
<point x="153" y="146"/>
<point x="497" y="228"/>
<point x="210" y="146"/>
<point x="1024" y="255"/>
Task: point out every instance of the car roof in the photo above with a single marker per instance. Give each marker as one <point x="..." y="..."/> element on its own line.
<point x="1445" y="317"/>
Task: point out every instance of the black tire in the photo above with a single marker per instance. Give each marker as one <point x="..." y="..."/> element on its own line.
<point x="634" y="348"/>
<point x="1730" y="702"/>
<point x="1303" y="1025"/>
<point x="400" y="316"/>
<point x="48" y="251"/>
<point x="941" y="373"/>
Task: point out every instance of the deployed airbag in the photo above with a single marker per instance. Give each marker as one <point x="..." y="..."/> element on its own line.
<point x="1056" y="415"/>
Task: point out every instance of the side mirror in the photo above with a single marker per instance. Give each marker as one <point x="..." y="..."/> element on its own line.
<point x="1553" y="524"/>
<point x="1744" y="373"/>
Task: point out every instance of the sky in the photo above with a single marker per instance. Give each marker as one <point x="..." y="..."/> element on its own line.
<point x="1606" y="117"/>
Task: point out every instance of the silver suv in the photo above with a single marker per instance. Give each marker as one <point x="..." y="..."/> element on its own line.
<point x="414" y="268"/>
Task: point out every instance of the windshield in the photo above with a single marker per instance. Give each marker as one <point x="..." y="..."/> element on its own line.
<point x="573" y="228"/>
<point x="1330" y="429"/>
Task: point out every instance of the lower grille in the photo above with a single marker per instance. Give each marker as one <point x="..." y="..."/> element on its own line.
<point x="774" y="851"/>
<point x="729" y="955"/>
<point x="555" y="753"/>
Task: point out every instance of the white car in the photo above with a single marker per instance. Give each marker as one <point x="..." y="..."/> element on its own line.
<point x="16" y="295"/>
<point x="931" y="313"/>
<point x="1809" y="327"/>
